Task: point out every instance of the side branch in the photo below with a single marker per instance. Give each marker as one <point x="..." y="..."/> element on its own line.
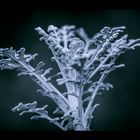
<point x="89" y="106"/>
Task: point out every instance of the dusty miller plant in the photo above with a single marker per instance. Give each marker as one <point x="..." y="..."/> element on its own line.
<point x="81" y="60"/>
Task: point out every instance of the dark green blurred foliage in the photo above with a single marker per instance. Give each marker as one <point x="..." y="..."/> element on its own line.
<point x="119" y="108"/>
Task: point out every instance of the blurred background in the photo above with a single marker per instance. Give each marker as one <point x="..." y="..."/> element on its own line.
<point x="119" y="108"/>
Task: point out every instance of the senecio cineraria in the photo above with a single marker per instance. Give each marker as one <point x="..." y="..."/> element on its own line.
<point x="80" y="59"/>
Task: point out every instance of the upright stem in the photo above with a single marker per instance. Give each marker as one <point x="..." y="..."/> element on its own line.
<point x="80" y="126"/>
<point x="72" y="100"/>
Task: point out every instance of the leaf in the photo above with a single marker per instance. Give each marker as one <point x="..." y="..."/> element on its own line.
<point x="94" y="107"/>
<point x="68" y="27"/>
<point x="42" y="110"/>
<point x="2" y="61"/>
<point x="106" y="66"/>
<point x="8" y="63"/>
<point x="29" y="57"/>
<point x="82" y="34"/>
<point x="116" y="67"/>
<point x="60" y="81"/>
<point x="16" y="60"/>
<point x="45" y="93"/>
<point x="42" y="32"/>
<point x="118" y="29"/>
<point x="36" y="117"/>
<point x="44" y="107"/>
<point x="10" y="53"/>
<point x="105" y="86"/>
<point x="19" y="107"/>
<point x="53" y="58"/>
<point x="52" y="28"/>
<point x="105" y="30"/>
<point x="38" y="69"/>
<point x="31" y="105"/>
<point x="47" y="71"/>
<point x="24" y="112"/>
<point x="21" y="53"/>
<point x="23" y="73"/>
<point x="40" y="65"/>
<point x="63" y="121"/>
<point x="9" y="66"/>
<point x="76" y="44"/>
<point x="57" y="111"/>
<point x="56" y="119"/>
<point x="87" y="99"/>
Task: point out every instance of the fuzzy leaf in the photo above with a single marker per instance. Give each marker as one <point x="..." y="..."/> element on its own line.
<point x="106" y="86"/>
<point x="52" y="28"/>
<point x="35" y="117"/>
<point x="86" y="99"/>
<point x="32" y="105"/>
<point x="19" y="107"/>
<point x="38" y="69"/>
<point x="47" y="71"/>
<point x="60" y="81"/>
<point x="21" y="53"/>
<point x="82" y="34"/>
<point x="57" y="111"/>
<point x="24" y="112"/>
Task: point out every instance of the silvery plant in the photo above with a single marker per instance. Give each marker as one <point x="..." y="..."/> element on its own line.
<point x="84" y="63"/>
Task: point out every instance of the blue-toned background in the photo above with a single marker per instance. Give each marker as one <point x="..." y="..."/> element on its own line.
<point x="119" y="108"/>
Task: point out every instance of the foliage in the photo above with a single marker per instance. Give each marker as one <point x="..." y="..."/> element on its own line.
<point x="80" y="59"/>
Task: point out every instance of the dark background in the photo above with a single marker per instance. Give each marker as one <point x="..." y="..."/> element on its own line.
<point x="119" y="108"/>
